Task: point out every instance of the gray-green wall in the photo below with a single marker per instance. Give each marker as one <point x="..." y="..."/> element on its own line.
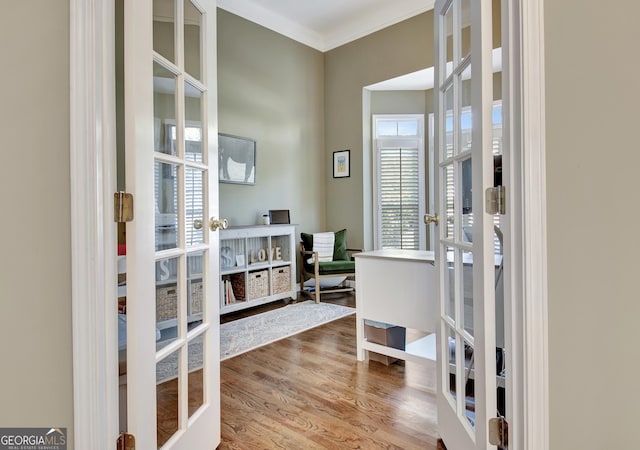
<point x="593" y="156"/>
<point x="400" y="102"/>
<point x="36" y="386"/>
<point x="393" y="102"/>
<point x="397" y="50"/>
<point x="271" y="89"/>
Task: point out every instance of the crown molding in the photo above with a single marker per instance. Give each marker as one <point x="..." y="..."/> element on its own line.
<point x="342" y="33"/>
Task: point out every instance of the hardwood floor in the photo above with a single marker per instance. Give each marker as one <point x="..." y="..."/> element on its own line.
<point x="309" y="392"/>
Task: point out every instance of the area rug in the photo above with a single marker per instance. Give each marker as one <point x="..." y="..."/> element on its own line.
<point x="249" y="333"/>
<point x="243" y="335"/>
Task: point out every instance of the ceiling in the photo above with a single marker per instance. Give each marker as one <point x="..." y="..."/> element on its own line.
<point x="325" y="24"/>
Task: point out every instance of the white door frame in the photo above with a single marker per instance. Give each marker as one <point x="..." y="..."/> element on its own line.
<point x="93" y="231"/>
<point x="93" y="176"/>
<point x="527" y="36"/>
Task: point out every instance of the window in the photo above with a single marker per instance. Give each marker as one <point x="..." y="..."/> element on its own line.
<point x="399" y="181"/>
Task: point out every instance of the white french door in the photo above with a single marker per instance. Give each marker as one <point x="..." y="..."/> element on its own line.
<point x="465" y="239"/>
<point x="173" y="374"/>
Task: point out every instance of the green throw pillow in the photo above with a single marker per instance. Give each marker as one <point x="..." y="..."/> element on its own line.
<point x="339" y="245"/>
<point x="307" y="241"/>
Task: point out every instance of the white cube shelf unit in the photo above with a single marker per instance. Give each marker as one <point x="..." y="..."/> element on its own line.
<point x="257" y="266"/>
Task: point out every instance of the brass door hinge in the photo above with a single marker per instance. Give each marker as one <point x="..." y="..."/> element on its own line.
<point x="499" y="432"/>
<point x="496" y="200"/>
<point x="122" y="207"/>
<point x="126" y="441"/>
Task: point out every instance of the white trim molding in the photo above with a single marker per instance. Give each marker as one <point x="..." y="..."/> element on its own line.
<point x="326" y="37"/>
<point x="534" y="221"/>
<point x="93" y="245"/>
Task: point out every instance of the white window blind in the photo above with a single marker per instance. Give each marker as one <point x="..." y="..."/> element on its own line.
<point x="400" y="198"/>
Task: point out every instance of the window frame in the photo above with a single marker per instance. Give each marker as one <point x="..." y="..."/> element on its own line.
<point x="388" y="142"/>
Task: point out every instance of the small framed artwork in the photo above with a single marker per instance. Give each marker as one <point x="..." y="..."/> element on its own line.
<point x="236" y="159"/>
<point x="240" y="260"/>
<point x="341" y="163"/>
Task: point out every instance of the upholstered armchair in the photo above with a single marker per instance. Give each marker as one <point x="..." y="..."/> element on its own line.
<point x="325" y="261"/>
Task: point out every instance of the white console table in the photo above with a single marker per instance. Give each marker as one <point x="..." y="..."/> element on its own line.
<point x="397" y="287"/>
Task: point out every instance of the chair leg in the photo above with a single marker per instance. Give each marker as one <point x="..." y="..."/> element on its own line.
<point x="316" y="291"/>
<point x="317" y="278"/>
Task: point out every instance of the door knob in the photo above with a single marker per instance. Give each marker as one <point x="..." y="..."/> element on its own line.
<point x="197" y="224"/>
<point x="428" y="218"/>
<point x="214" y="224"/>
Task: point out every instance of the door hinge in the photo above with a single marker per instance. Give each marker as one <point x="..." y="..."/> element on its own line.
<point x="126" y="441"/>
<point x="122" y="207"/>
<point x="496" y="200"/>
<point x="499" y="432"/>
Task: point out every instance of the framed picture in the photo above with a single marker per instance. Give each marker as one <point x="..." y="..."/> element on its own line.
<point x="236" y="159"/>
<point x="341" y="163"/>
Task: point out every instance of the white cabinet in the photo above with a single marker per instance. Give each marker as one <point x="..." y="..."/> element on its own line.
<point x="257" y="266"/>
<point x="397" y="287"/>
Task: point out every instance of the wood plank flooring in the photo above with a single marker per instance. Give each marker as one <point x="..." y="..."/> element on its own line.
<point x="309" y="392"/>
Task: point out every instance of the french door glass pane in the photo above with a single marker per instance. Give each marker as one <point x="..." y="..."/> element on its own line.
<point x="167" y="396"/>
<point x="167" y="300"/>
<point x="192" y="40"/>
<point x="450" y="336"/>
<point x="448" y="32"/>
<point x="449" y="285"/>
<point x="465" y="27"/>
<point x="467" y="283"/>
<point x="194" y="206"/>
<point x="193" y="116"/>
<point x="196" y="373"/>
<point x="195" y="269"/>
<point x="465" y="180"/>
<point x="166" y="205"/>
<point x="164" y="110"/>
<point x="164" y="24"/>
<point x="447" y="174"/>
<point x="469" y="385"/>
<point x="465" y="110"/>
<point x="448" y="131"/>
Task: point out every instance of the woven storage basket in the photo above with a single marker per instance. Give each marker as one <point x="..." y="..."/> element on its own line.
<point x="166" y="303"/>
<point x="281" y="279"/>
<point x="258" y="284"/>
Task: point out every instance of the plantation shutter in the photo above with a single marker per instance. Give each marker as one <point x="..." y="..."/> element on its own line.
<point x="399" y="185"/>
